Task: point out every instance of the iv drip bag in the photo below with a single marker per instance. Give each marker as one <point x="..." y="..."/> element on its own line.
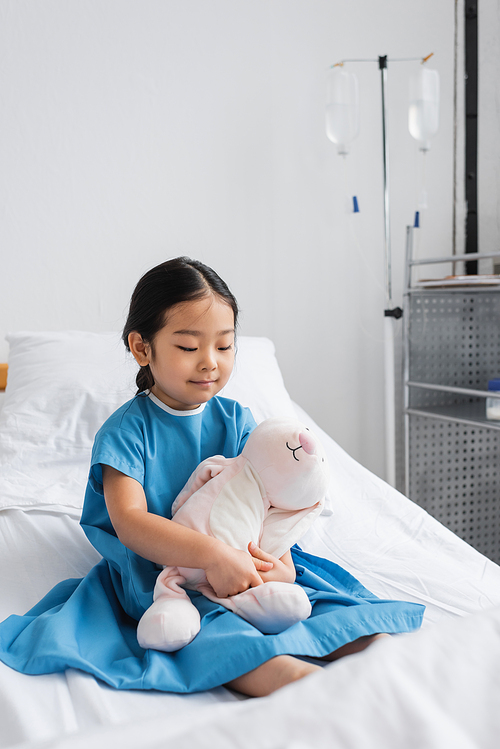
<point x="423" y="114"/>
<point x="342" y="108"/>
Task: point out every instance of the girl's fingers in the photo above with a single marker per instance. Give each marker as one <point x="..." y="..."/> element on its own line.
<point x="262" y="560"/>
<point x="257" y="580"/>
<point x="262" y="566"/>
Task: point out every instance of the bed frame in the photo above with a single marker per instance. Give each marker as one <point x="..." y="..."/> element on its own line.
<point x="3" y="376"/>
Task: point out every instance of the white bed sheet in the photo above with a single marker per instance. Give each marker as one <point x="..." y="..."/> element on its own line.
<point x="408" y="691"/>
<point x="436" y="689"/>
<point x="422" y="562"/>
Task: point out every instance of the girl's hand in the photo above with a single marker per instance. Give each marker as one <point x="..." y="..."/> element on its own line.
<point x="231" y="571"/>
<point x="283" y="569"/>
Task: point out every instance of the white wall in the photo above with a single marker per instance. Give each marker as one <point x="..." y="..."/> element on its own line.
<point x="135" y="130"/>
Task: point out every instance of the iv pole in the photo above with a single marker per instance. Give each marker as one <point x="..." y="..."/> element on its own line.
<point x="391" y="313"/>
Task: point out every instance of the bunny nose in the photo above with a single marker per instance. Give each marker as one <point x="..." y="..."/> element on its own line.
<point x="307" y="442"/>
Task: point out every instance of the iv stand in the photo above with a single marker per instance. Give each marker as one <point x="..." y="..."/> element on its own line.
<point x="390" y="313"/>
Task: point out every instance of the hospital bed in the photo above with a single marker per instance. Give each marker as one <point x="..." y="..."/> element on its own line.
<point x="439" y="687"/>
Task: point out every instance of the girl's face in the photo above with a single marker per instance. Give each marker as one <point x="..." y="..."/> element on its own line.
<point x="192" y="356"/>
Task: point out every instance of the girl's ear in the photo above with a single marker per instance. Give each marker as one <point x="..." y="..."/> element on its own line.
<point x="140" y="350"/>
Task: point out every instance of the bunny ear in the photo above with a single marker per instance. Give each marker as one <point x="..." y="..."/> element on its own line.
<point x="207" y="470"/>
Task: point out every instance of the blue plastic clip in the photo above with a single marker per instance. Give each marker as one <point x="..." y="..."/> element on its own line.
<point x="355" y="204"/>
<point x="417" y="220"/>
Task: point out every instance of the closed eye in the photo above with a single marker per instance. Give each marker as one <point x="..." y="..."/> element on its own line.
<point x="221" y="348"/>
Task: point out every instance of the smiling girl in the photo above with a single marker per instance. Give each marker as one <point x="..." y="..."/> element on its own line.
<point x="181" y="330"/>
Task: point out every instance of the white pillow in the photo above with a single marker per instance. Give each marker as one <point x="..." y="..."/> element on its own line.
<point x="257" y="381"/>
<point x="62" y="386"/>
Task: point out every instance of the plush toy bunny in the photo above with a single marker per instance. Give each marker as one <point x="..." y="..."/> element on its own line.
<point x="270" y="494"/>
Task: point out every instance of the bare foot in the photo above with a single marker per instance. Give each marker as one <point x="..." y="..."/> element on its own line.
<point x="272" y="675"/>
<point x="354" y="647"/>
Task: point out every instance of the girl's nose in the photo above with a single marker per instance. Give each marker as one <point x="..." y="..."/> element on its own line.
<point x="208" y="361"/>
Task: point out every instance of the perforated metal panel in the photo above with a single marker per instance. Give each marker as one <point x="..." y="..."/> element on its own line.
<point x="454" y="339"/>
<point x="455" y="476"/>
<point x="454" y="466"/>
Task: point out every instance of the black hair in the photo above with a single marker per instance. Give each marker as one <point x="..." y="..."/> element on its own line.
<point x="161" y="288"/>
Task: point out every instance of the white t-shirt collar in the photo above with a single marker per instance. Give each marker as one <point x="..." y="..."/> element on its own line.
<point x="172" y="411"/>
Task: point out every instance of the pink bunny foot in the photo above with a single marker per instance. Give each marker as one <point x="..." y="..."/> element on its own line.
<point x="273" y="606"/>
<point x="169" y="624"/>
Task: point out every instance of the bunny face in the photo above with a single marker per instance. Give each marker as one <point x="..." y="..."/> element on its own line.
<point x="290" y="461"/>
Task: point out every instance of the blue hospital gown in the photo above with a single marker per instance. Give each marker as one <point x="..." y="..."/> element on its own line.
<point x="90" y="624"/>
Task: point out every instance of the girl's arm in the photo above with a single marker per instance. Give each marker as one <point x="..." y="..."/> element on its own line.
<point x="283" y="569"/>
<point x="229" y="571"/>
